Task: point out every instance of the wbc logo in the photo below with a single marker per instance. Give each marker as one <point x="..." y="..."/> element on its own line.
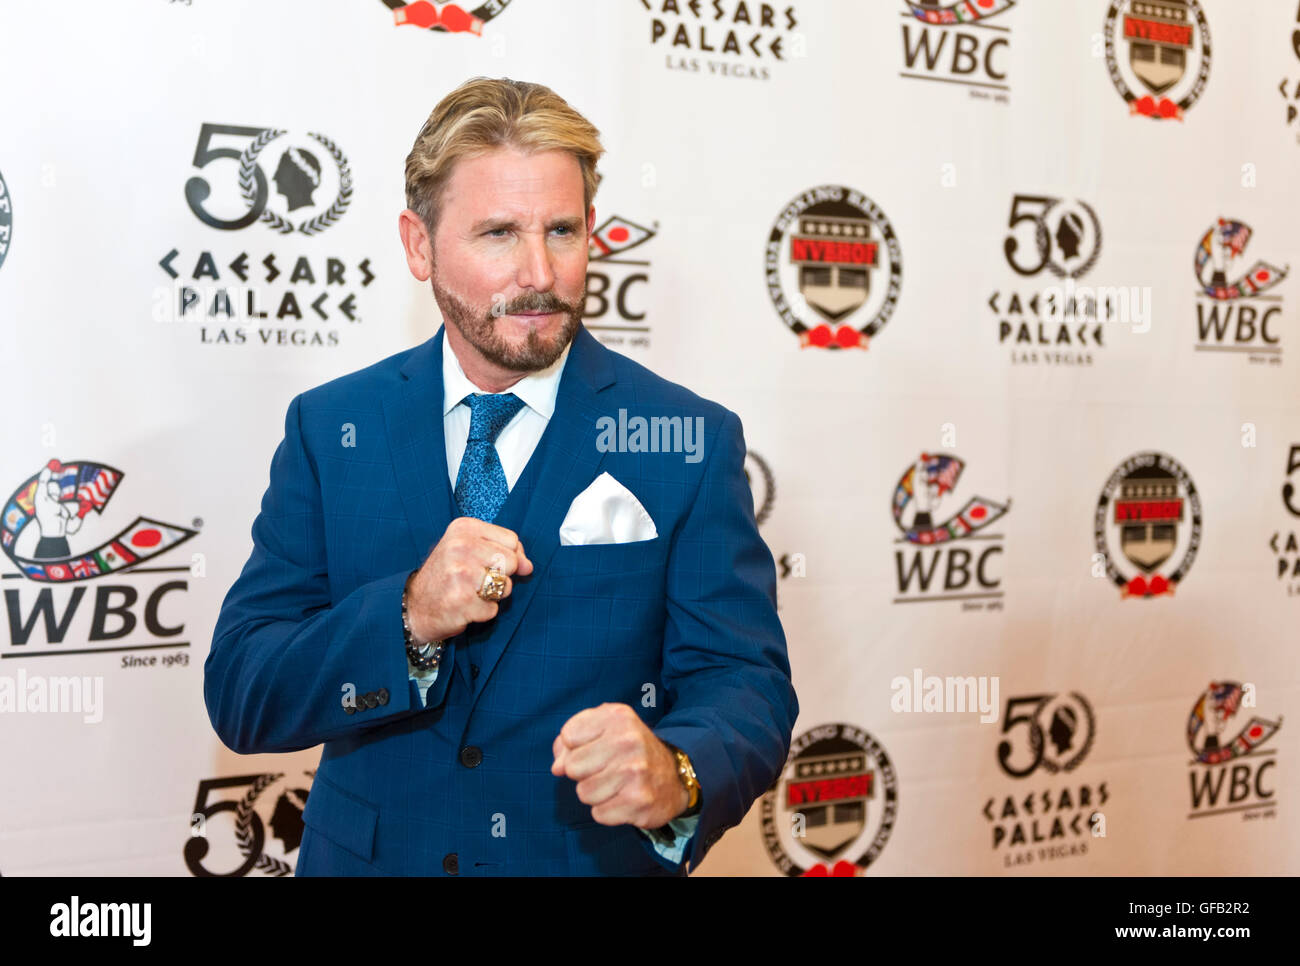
<point x="613" y="309"/>
<point x="52" y="505"/>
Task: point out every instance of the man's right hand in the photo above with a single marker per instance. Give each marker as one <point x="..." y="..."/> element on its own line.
<point x="442" y="598"/>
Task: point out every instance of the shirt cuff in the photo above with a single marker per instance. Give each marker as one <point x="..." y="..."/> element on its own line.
<point x="670" y="840"/>
<point x="423" y="680"/>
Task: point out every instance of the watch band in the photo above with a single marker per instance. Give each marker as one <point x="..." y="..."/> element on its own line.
<point x="686" y="773"/>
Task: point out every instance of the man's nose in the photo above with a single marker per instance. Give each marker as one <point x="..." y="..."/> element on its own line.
<point x="534" y="269"/>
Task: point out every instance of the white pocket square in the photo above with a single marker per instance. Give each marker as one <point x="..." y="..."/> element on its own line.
<point x="606" y="512"/>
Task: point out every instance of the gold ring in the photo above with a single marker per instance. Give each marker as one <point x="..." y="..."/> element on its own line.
<point x="494" y="584"/>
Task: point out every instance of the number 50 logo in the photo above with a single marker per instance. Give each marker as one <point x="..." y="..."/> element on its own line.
<point x="1051" y="731"/>
<point x="296" y="173"/>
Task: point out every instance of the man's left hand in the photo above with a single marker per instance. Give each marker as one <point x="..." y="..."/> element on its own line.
<point x="623" y="771"/>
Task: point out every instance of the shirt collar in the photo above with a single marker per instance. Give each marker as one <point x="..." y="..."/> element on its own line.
<point x="537" y="389"/>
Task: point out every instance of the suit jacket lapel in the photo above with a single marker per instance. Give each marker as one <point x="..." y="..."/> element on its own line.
<point x="419" y="451"/>
<point x="564" y="463"/>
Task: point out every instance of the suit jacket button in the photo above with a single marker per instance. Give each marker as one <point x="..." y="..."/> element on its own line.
<point x="370" y="700"/>
<point x="382" y="695"/>
<point x="473" y="670"/>
<point x="471" y="756"/>
<point x="451" y="864"/>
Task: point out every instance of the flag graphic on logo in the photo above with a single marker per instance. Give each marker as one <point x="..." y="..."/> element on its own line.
<point x="50" y="507"/>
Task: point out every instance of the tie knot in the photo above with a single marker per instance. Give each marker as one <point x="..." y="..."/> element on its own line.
<point x="490" y="413"/>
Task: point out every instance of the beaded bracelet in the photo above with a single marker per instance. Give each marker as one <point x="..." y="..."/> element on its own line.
<point x="421" y="658"/>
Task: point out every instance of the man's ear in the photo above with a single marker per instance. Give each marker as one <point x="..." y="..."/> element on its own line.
<point x="417" y="244"/>
<point x="591" y="220"/>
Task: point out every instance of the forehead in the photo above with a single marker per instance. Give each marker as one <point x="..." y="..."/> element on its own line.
<point x="508" y="181"/>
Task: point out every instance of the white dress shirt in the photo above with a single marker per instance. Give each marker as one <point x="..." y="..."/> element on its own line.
<point x="516" y="442"/>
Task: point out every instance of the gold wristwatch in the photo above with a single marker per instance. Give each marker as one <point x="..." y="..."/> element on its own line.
<point x="686" y="772"/>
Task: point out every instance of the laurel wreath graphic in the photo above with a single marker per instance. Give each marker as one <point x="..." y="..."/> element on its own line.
<point x="335" y="211"/>
<point x="248" y="167"/>
<point x="244" y="818"/>
<point x="1051" y="766"/>
<point x="1096" y="247"/>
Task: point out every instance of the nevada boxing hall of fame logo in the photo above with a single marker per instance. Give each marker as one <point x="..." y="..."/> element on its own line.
<point x="762" y="489"/>
<point x="833" y="268"/>
<point x="1237" y="311"/>
<point x="833" y="807"/>
<point x="247" y="825"/>
<point x="938" y="558"/>
<point x="956" y="43"/>
<point x="1147" y="527"/>
<point x="1045" y="737"/>
<point x="614" y="310"/>
<point x="1158" y="55"/>
<point x="275" y="193"/>
<point x="1231" y="770"/>
<point x="447" y="18"/>
<point x="6" y="219"/>
<point x="725" y="38"/>
<point x="58" y="531"/>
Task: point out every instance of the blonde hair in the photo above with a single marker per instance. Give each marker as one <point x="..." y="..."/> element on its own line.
<point x="484" y="114"/>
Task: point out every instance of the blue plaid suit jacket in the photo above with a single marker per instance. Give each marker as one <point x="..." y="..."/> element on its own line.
<point x="683" y="628"/>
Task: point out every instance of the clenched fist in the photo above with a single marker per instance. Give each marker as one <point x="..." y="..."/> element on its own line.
<point x="442" y="598"/>
<point x="623" y="771"/>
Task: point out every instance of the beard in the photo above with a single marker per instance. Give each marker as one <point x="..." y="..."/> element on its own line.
<point x="478" y="326"/>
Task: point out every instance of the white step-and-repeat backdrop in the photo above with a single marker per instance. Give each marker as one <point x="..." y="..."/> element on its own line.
<point x="1001" y="291"/>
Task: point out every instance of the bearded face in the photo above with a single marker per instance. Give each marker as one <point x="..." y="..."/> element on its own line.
<point x="524" y="334"/>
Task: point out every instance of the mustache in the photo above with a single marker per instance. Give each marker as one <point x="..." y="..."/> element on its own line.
<point x="535" y="302"/>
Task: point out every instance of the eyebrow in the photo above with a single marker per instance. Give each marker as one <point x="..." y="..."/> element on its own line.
<point x="489" y="224"/>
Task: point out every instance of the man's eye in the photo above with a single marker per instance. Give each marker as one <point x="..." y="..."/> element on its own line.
<point x="493" y="232"/>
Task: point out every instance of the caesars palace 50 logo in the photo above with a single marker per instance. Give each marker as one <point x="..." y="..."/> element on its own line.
<point x="1158" y="54"/>
<point x="247" y="824"/>
<point x="297" y="173"/>
<point x="451" y="18"/>
<point x="291" y="295"/>
<point x="834" y="268"/>
<point x="1057" y="815"/>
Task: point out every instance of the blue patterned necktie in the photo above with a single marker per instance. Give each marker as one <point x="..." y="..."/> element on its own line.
<point x="481" y="488"/>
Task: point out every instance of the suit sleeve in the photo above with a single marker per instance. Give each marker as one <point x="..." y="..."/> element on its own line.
<point x="288" y="668"/>
<point x="731" y="703"/>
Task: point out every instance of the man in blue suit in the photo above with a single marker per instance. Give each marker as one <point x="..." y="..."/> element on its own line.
<point x="530" y="644"/>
